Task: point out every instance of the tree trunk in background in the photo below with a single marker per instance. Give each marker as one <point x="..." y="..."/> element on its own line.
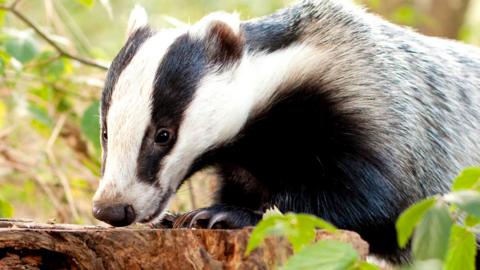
<point x="443" y="18"/>
<point x="448" y="17"/>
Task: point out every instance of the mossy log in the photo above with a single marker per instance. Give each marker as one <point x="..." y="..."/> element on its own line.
<point x="29" y="245"/>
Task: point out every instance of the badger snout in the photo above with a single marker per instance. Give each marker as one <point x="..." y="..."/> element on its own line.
<point x="117" y="215"/>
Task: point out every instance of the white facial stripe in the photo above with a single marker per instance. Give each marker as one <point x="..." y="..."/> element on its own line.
<point x="127" y="119"/>
<point x="224" y="102"/>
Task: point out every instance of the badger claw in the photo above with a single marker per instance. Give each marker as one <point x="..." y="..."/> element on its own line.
<point x="218" y="217"/>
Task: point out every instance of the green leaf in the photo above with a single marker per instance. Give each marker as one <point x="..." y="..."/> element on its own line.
<point x="318" y="223"/>
<point x="87" y="3"/>
<point x="55" y="69"/>
<point x="471" y="221"/>
<point x="301" y="229"/>
<point x="410" y="218"/>
<point x="462" y="249"/>
<point x="468" y="179"/>
<point x="468" y="201"/>
<point x="91" y="125"/>
<point x="51" y="66"/>
<point x="267" y="226"/>
<point x="430" y="240"/>
<point x="299" y="234"/>
<point x="4" y="60"/>
<point x="22" y="46"/>
<point x="6" y="209"/>
<point x="40" y="114"/>
<point x="298" y="228"/>
<point x="64" y="104"/>
<point x="325" y="255"/>
<point x="44" y="92"/>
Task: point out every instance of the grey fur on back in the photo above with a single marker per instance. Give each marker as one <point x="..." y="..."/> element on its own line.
<point x="420" y="95"/>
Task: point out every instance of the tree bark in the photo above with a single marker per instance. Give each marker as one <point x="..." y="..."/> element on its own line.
<point x="28" y="245"/>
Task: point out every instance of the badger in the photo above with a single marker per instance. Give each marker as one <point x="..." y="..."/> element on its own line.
<point x="319" y="108"/>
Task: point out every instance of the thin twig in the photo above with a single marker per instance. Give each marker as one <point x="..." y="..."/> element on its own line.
<point x="73" y="28"/>
<point x="14" y="4"/>
<point x="44" y="62"/>
<point x="27" y="77"/>
<point x="44" y="36"/>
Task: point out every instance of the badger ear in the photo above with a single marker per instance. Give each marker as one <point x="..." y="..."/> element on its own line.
<point x="138" y="19"/>
<point x="223" y="37"/>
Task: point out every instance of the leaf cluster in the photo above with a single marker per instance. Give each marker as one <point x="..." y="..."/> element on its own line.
<point x="300" y="230"/>
<point x="442" y="228"/>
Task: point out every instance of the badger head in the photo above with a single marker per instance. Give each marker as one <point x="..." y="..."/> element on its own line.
<point x="170" y="97"/>
<point x="154" y="121"/>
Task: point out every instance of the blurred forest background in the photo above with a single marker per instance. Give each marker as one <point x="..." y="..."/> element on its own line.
<point x="53" y="55"/>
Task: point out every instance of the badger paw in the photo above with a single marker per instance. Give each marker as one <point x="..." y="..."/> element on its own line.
<point x="218" y="217"/>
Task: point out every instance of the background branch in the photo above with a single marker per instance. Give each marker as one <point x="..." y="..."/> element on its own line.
<point x="44" y="36"/>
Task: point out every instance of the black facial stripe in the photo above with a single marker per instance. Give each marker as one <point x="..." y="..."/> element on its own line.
<point x="176" y="79"/>
<point x="148" y="162"/>
<point x="122" y="59"/>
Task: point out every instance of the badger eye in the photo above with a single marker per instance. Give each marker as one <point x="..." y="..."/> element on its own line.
<point x="163" y="136"/>
<point x="104" y="135"/>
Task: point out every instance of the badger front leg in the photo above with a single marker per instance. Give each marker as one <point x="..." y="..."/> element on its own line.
<point x="237" y="203"/>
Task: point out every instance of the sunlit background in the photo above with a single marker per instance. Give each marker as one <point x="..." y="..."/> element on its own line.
<point x="49" y="149"/>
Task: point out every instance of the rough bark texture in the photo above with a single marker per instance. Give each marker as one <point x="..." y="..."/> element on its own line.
<point x="28" y="245"/>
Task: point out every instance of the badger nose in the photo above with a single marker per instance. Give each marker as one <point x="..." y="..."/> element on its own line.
<point x="116" y="215"/>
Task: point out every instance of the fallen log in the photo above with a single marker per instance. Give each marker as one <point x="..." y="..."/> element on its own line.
<point x="29" y="245"/>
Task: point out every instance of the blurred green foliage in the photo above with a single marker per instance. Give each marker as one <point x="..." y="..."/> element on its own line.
<point x="6" y="209"/>
<point x="90" y="126"/>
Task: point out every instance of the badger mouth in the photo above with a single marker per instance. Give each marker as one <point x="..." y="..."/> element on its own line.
<point x="162" y="204"/>
<point x="151" y="217"/>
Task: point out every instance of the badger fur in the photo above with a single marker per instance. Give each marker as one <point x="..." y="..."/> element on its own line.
<point x="319" y="108"/>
